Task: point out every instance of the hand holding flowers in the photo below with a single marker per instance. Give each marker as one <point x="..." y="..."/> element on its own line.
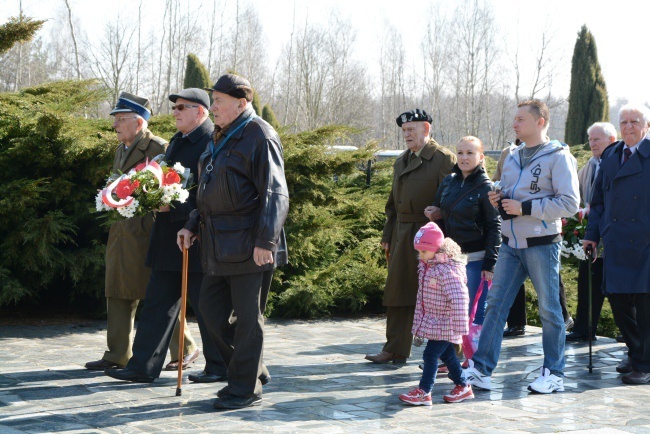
<point x="150" y="186"/>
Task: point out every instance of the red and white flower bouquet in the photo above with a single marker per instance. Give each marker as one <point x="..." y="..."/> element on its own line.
<point x="148" y="187"/>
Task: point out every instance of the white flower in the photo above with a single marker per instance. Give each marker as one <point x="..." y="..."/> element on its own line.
<point x="99" y="203"/>
<point x="129" y="210"/>
<point x="183" y="195"/>
<point x="178" y="167"/>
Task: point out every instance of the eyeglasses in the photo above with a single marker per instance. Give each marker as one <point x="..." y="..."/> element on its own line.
<point x="122" y="119"/>
<point x="181" y="107"/>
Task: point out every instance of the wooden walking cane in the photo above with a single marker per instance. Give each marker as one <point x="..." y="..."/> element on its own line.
<point x="181" y="335"/>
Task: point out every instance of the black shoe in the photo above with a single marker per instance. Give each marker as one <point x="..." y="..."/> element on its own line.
<point x="206" y="377"/>
<point x="578" y="337"/>
<point x="102" y="365"/>
<point x="625" y="367"/>
<point x="264" y="379"/>
<point x="619" y="338"/>
<point x="514" y="331"/>
<point x="128" y="375"/>
<point x="635" y="377"/>
<point x="233" y="402"/>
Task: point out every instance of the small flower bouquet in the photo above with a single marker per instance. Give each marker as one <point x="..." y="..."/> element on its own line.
<point x="148" y="187"/>
<point x="573" y="232"/>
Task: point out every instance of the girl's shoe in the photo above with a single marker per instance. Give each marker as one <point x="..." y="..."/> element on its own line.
<point x="416" y="396"/>
<point x="460" y="393"/>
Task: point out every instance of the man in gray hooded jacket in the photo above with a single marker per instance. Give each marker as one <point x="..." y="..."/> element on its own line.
<point x="540" y="186"/>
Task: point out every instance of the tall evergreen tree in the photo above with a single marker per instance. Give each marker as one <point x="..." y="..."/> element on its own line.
<point x="21" y="29"/>
<point x="269" y="116"/>
<point x="196" y="74"/>
<point x="257" y="105"/>
<point x="588" y="94"/>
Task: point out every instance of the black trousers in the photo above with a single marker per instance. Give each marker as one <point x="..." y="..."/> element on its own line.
<point x="517" y="314"/>
<point x="156" y="325"/>
<point x="597" y="296"/>
<point x="240" y="300"/>
<point x="632" y="316"/>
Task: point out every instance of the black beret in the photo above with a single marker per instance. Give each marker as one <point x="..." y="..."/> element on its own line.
<point x="193" y="94"/>
<point x="416" y="115"/>
<point x="129" y="103"/>
<point x="234" y="85"/>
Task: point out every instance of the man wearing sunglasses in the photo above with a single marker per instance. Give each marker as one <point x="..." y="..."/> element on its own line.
<point x="159" y="313"/>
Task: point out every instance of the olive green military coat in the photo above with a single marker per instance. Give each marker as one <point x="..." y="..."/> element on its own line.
<point x="128" y="240"/>
<point x="415" y="184"/>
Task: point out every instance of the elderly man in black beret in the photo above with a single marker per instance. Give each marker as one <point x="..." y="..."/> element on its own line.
<point x="164" y="290"/>
<point x="241" y="208"/>
<point x="417" y="173"/>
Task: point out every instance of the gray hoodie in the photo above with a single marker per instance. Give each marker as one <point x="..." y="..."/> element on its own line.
<point x="548" y="189"/>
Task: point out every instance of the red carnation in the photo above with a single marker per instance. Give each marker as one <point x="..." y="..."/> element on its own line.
<point x="140" y="166"/>
<point x="576" y="232"/>
<point x="171" y="177"/>
<point x="564" y="222"/>
<point x="125" y="188"/>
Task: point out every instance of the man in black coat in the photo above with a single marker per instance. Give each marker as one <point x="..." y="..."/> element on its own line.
<point x="164" y="290"/>
<point x="242" y="203"/>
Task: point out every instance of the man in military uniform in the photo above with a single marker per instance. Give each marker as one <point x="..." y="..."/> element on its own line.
<point x="128" y="239"/>
<point x="417" y="173"/>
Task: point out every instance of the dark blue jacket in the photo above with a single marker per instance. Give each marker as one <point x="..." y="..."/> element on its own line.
<point x="620" y="214"/>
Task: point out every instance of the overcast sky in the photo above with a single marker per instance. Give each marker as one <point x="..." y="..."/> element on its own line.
<point x="620" y="28"/>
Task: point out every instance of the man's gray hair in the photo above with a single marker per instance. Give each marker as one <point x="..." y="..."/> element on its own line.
<point x="145" y="124"/>
<point x="606" y="127"/>
<point x="641" y="108"/>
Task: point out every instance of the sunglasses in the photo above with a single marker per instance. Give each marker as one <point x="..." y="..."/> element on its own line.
<point x="181" y="107"/>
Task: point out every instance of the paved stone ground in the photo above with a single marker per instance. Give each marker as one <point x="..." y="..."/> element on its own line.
<point x="320" y="384"/>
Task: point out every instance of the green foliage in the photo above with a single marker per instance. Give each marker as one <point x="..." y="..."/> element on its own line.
<point x="269" y="116"/>
<point x="52" y="160"/>
<point x="588" y="101"/>
<point x="257" y="105"/>
<point x="18" y="29"/>
<point x="333" y="228"/>
<point x="196" y="74"/>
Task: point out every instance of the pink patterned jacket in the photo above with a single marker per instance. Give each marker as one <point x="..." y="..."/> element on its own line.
<point x="442" y="302"/>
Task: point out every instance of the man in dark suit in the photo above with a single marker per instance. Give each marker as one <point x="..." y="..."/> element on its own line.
<point x="620" y="214"/>
<point x="164" y="290"/>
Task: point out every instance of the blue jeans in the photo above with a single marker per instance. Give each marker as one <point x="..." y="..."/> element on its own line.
<point x="446" y="352"/>
<point x="473" y="270"/>
<point x="542" y="265"/>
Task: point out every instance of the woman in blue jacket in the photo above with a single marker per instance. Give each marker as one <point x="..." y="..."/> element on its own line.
<point x="469" y="218"/>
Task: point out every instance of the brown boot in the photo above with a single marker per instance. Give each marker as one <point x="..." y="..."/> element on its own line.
<point x="384" y="357"/>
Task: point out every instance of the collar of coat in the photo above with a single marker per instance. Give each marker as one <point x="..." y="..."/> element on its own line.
<point x="426" y="153"/>
<point x="207" y="127"/>
<point x="478" y="171"/>
<point x="138" y="148"/>
<point x="643" y="147"/>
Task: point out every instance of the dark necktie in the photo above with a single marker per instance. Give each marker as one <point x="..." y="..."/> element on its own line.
<point x="626" y="155"/>
<point x="412" y="156"/>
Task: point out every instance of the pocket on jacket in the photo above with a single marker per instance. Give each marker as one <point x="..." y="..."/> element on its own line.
<point x="233" y="237"/>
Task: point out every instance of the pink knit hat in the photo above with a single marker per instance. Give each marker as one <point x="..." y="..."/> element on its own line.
<point x="429" y="237"/>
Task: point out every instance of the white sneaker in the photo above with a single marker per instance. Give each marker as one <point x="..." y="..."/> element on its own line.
<point x="477" y="379"/>
<point x="547" y="383"/>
